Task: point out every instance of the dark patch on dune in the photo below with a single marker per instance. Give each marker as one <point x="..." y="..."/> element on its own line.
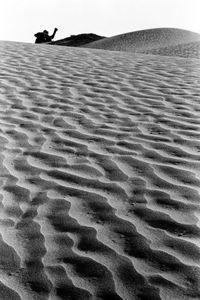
<point x="157" y="41"/>
<point x="78" y="40"/>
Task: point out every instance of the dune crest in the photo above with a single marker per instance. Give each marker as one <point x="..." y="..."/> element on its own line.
<point x="162" y="41"/>
<point x="99" y="184"/>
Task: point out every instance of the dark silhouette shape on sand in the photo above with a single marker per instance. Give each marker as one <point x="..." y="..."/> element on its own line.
<point x="78" y="40"/>
<point x="44" y="37"/>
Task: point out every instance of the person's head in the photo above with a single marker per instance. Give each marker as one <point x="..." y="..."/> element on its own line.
<point x="45" y="32"/>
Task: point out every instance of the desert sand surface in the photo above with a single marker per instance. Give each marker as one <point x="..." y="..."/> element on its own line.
<point x="187" y="50"/>
<point x="99" y="174"/>
<point x="159" y="41"/>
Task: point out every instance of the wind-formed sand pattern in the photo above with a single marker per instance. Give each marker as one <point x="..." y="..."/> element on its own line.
<point x="99" y="174"/>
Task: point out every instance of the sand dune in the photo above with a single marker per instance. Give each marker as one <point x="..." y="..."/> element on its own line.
<point x="162" y="41"/>
<point x="187" y="50"/>
<point x="100" y="174"/>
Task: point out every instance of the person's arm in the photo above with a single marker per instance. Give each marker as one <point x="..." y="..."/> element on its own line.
<point x="52" y="36"/>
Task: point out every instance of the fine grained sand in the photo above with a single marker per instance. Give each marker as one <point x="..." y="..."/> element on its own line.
<point x="100" y="174"/>
<point x="159" y="41"/>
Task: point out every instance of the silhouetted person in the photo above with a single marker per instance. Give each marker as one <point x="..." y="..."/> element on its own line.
<point x="44" y="37"/>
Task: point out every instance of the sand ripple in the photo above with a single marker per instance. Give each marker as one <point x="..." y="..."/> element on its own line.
<point x="100" y="175"/>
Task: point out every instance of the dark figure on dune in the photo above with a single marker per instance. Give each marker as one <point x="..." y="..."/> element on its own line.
<point x="44" y="37"/>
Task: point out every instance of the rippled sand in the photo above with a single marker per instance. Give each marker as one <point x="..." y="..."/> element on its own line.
<point x="99" y="174"/>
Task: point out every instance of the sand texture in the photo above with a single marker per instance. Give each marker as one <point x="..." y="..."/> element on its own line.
<point x="159" y="41"/>
<point x="188" y="50"/>
<point x="99" y="174"/>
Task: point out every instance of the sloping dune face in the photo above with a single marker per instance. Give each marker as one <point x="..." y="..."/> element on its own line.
<point x="144" y="41"/>
<point x="187" y="50"/>
<point x="100" y="175"/>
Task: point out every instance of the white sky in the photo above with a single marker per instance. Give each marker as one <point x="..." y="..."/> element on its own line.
<point x="20" y="19"/>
